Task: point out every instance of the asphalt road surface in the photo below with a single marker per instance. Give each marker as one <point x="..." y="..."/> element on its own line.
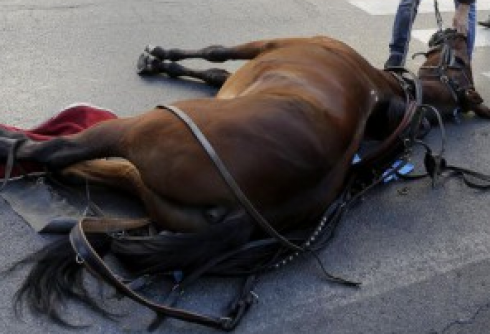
<point x="422" y="254"/>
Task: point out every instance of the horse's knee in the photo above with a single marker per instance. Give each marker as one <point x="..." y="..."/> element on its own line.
<point x="215" y="76"/>
<point x="216" y="53"/>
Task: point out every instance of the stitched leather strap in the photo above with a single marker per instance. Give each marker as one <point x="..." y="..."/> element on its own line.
<point x="92" y="261"/>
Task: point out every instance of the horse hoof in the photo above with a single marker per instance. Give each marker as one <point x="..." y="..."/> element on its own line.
<point x="143" y="66"/>
<point x="149" y="49"/>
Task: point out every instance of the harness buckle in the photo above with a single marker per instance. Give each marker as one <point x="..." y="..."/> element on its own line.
<point x="79" y="259"/>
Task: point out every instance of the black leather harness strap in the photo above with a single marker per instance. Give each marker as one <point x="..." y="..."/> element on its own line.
<point x="89" y="257"/>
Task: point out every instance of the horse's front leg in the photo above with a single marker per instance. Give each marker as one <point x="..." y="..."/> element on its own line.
<point x="156" y="60"/>
<point x="215" y="77"/>
<point x="213" y="53"/>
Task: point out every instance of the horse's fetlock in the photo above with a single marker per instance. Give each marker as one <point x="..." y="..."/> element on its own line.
<point x="216" y="76"/>
<point x="173" y="69"/>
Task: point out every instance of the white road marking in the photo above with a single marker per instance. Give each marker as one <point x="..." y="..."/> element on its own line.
<point x="389" y="7"/>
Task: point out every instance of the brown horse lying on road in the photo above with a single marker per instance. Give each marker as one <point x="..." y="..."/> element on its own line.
<point x="284" y="129"/>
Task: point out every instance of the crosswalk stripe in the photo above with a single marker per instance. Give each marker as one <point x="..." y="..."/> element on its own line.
<point x="482" y="36"/>
<point x="389" y="7"/>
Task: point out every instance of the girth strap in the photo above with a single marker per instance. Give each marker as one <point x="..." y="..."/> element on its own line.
<point x="436" y="164"/>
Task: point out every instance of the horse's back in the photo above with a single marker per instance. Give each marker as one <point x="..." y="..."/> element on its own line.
<point x="285" y="123"/>
<point x="315" y="68"/>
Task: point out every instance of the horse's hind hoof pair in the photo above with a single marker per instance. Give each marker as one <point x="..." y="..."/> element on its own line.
<point x="145" y="62"/>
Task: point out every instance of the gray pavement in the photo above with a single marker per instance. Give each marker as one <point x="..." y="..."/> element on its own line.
<point x="422" y="254"/>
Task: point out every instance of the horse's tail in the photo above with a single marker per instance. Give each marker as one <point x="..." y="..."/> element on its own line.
<point x="167" y="251"/>
<point x="57" y="276"/>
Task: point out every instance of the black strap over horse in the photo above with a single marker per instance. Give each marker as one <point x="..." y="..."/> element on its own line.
<point x="280" y="248"/>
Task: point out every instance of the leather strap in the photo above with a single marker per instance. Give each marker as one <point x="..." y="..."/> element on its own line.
<point x="89" y="257"/>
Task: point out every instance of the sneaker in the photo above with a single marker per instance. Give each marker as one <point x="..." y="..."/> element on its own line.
<point x="485" y="23"/>
<point x="394" y="60"/>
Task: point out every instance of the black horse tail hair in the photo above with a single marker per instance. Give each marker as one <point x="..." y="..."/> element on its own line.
<point x="167" y="252"/>
<point x="55" y="277"/>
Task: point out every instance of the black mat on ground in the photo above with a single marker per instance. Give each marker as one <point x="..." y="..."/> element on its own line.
<point x="49" y="207"/>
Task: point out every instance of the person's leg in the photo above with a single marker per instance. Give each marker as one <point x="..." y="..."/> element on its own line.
<point x="471" y="27"/>
<point x="402" y="28"/>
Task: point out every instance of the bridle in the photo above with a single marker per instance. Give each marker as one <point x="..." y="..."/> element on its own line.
<point x="448" y="61"/>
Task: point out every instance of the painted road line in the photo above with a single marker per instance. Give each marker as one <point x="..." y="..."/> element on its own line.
<point x="389" y="7"/>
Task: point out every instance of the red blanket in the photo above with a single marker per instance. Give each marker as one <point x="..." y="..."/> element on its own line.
<point x="69" y="121"/>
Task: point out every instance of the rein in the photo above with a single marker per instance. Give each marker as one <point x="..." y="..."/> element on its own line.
<point x="448" y="61"/>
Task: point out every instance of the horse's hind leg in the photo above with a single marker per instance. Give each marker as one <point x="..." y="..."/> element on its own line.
<point x="215" y="77"/>
<point x="99" y="141"/>
<point x="122" y="174"/>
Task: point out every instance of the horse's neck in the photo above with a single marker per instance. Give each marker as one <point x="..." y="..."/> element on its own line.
<point x="391" y="86"/>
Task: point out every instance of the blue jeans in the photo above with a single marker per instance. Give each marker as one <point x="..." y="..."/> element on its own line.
<point x="402" y="27"/>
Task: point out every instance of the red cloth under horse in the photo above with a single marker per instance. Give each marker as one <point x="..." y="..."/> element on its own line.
<point x="71" y="120"/>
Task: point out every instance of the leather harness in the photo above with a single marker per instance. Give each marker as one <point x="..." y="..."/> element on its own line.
<point x="396" y="146"/>
<point x="319" y="236"/>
